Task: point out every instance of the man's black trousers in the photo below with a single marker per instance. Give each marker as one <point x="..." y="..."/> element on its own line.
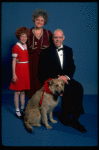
<point x="72" y="100"/>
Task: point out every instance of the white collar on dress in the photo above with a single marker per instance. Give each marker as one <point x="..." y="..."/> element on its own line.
<point x="20" y="45"/>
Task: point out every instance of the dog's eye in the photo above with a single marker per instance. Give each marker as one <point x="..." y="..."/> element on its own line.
<point x="56" y="85"/>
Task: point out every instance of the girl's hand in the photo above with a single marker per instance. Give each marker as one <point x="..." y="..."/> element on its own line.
<point x="14" y="79"/>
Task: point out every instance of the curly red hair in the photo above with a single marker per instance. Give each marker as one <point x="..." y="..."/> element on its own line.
<point x="22" y="30"/>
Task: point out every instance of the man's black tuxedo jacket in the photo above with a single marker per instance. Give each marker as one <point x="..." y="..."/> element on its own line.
<point x="49" y="64"/>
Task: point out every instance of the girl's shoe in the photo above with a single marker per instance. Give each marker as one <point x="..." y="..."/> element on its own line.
<point x="18" y="115"/>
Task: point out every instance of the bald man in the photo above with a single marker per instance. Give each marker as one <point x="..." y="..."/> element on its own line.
<point x="57" y="62"/>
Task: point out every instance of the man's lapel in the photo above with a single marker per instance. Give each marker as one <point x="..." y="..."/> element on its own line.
<point x="55" y="57"/>
<point x="65" y="58"/>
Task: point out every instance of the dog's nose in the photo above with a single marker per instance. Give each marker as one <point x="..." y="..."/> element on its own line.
<point x="61" y="92"/>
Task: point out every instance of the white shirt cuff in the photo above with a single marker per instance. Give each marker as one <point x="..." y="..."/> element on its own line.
<point x="67" y="77"/>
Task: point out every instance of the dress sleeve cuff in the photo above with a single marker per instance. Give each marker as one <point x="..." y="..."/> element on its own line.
<point x="14" y="55"/>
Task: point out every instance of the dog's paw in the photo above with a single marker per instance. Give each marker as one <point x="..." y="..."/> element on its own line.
<point x="49" y="127"/>
<point x="54" y="121"/>
<point x="38" y="125"/>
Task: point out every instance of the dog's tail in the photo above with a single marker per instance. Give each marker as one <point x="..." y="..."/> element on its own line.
<point x="28" y="127"/>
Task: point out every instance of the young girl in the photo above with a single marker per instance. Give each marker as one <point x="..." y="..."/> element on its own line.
<point x="20" y="69"/>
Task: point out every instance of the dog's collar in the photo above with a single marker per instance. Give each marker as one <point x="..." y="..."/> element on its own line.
<point x="46" y="89"/>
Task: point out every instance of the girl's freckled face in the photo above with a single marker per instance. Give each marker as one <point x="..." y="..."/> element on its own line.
<point x="23" y="38"/>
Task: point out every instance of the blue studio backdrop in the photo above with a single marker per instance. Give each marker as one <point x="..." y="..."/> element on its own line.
<point x="79" y="22"/>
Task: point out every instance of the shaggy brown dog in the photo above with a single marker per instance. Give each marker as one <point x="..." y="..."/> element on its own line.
<point x="35" y="113"/>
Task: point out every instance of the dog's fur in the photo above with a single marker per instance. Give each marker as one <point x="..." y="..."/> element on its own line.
<point x="34" y="113"/>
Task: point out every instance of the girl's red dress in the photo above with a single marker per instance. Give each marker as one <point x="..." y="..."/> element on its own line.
<point x="22" y="68"/>
<point x="35" y="47"/>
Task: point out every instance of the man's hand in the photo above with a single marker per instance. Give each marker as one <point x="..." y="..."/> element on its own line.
<point x="63" y="78"/>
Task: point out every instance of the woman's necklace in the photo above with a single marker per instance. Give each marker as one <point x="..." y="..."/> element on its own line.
<point x="38" y="33"/>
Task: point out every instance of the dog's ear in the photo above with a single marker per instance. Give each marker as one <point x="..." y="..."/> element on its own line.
<point x="51" y="82"/>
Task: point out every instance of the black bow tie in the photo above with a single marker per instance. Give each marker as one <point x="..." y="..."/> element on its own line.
<point x="60" y="49"/>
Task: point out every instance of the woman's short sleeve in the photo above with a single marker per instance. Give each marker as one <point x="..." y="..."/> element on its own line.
<point x="15" y="51"/>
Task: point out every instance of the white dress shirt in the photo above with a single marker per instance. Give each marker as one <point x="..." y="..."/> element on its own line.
<point x="60" y="54"/>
